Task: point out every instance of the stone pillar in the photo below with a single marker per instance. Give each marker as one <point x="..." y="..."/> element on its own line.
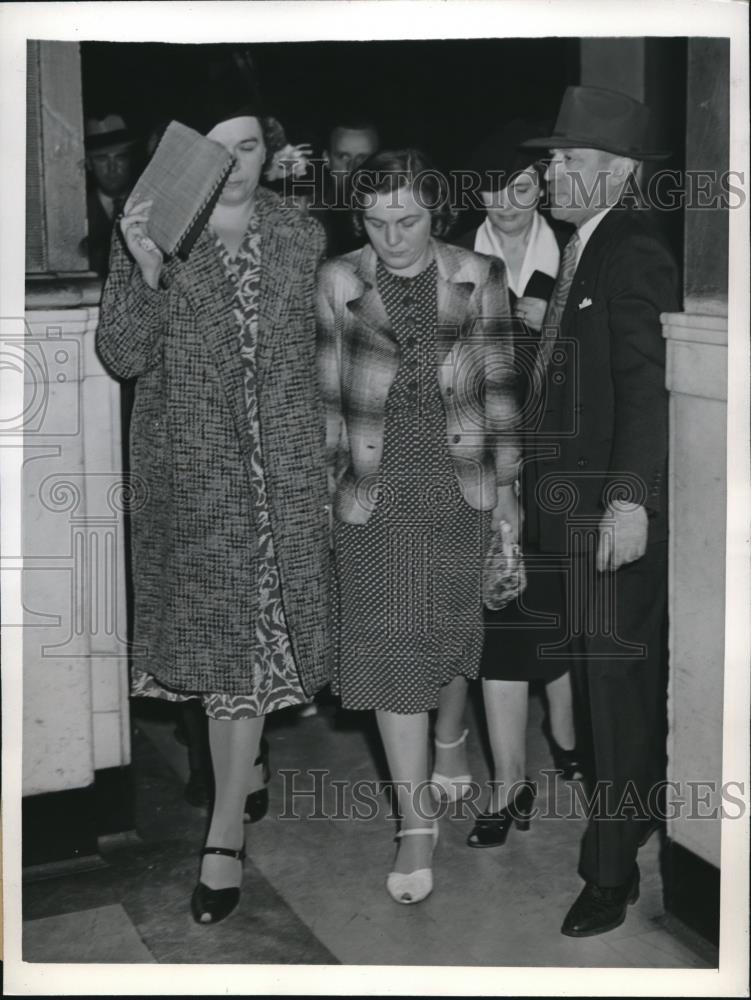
<point x="707" y="151"/>
<point x="697" y="380"/>
<point x="686" y="84"/>
<point x="614" y="63"/>
<point x="76" y="720"/>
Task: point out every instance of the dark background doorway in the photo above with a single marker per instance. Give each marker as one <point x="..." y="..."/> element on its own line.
<point x="443" y="95"/>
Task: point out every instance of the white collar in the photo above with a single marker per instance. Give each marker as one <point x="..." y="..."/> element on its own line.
<point x="542" y="253"/>
<point x="107" y="203"/>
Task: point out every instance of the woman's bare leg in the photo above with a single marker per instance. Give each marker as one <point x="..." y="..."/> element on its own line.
<point x="561" y="711"/>
<point x="506" y="705"/>
<point x="234" y="746"/>
<point x="405" y="740"/>
<point x="449" y="726"/>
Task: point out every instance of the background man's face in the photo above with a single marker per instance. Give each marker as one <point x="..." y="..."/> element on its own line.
<point x="348" y="148"/>
<point x="578" y="183"/>
<point x="112" y="168"/>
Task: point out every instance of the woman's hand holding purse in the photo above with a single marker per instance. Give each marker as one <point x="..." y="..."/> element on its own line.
<point x="143" y="249"/>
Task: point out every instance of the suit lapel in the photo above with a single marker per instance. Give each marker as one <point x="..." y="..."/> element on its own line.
<point x="589" y="265"/>
<point x="454" y="294"/>
<point x="366" y="306"/>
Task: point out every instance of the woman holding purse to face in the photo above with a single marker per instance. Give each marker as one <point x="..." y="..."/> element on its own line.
<point x="515" y="231"/>
<point x="416" y="368"/>
<point x="230" y="534"/>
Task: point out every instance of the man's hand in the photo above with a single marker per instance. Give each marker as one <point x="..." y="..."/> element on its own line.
<point x="623" y="536"/>
<point x="508" y="509"/>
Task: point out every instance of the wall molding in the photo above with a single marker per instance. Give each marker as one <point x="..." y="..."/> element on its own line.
<point x="692" y="890"/>
<point x="66" y="825"/>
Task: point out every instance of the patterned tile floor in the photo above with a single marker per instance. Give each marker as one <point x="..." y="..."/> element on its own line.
<point x="314" y="886"/>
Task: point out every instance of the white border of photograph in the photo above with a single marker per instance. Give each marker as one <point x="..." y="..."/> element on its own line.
<point x="256" y="22"/>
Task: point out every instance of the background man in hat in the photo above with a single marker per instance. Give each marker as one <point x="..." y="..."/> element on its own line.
<point x="602" y="495"/>
<point x="351" y="139"/>
<point x="111" y="161"/>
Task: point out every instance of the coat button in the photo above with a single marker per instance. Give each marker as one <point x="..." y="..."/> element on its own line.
<point x="408" y="301"/>
<point x="449" y="391"/>
<point x="411" y="323"/>
<point x="457" y="438"/>
<point x="583" y="463"/>
<point x="411" y="341"/>
<point x="156" y="424"/>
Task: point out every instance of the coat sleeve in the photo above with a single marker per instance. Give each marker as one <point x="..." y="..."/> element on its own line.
<point x="132" y="317"/>
<point x="501" y="403"/>
<point x="329" y="354"/>
<point x="643" y="284"/>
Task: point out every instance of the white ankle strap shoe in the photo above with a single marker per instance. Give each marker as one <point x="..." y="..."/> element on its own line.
<point x="455" y="787"/>
<point x="415" y="886"/>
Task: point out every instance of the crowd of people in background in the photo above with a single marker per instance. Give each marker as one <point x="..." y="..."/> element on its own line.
<point x="473" y="376"/>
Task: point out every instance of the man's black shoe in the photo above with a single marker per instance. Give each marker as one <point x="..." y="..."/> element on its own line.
<point x="598" y="909"/>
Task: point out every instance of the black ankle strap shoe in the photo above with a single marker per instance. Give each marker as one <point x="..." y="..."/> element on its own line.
<point x="209" y="906"/>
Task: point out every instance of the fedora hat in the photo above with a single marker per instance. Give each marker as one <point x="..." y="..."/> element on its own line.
<point x="595" y="118"/>
<point x="106" y="131"/>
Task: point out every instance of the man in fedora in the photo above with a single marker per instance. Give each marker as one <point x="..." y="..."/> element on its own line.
<point x="600" y="476"/>
<point x="111" y="159"/>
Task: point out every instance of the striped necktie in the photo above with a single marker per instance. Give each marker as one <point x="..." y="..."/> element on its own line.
<point x="554" y="313"/>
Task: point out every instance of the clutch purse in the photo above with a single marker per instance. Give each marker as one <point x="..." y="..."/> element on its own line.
<point x="503" y="576"/>
<point x="183" y="179"/>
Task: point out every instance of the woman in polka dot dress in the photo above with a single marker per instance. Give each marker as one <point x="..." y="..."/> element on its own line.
<point x="416" y="370"/>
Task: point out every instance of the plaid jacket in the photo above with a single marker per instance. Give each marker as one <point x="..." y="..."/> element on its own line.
<point x="193" y="533"/>
<point x="358" y="358"/>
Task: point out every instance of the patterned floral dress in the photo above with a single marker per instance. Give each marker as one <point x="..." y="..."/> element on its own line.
<point x="409" y="580"/>
<point x="276" y="683"/>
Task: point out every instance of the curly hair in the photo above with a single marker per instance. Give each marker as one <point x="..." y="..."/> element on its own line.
<point x="391" y="169"/>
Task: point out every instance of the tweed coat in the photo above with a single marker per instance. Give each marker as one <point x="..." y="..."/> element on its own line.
<point x="193" y="531"/>
<point x="359" y="356"/>
<point x="604" y="426"/>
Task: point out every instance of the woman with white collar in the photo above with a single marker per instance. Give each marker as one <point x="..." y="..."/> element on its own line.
<point x="510" y="186"/>
<point x="515" y="231"/>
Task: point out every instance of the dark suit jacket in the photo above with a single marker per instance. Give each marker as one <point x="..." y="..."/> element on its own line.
<point x="97" y="243"/>
<point x="604" y="422"/>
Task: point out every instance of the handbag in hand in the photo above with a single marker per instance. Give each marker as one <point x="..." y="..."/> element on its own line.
<point x="503" y="575"/>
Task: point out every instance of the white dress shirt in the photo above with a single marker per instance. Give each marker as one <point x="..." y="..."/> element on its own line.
<point x="107" y="203"/>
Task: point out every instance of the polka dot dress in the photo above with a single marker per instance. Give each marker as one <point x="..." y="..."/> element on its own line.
<point x="410" y="601"/>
